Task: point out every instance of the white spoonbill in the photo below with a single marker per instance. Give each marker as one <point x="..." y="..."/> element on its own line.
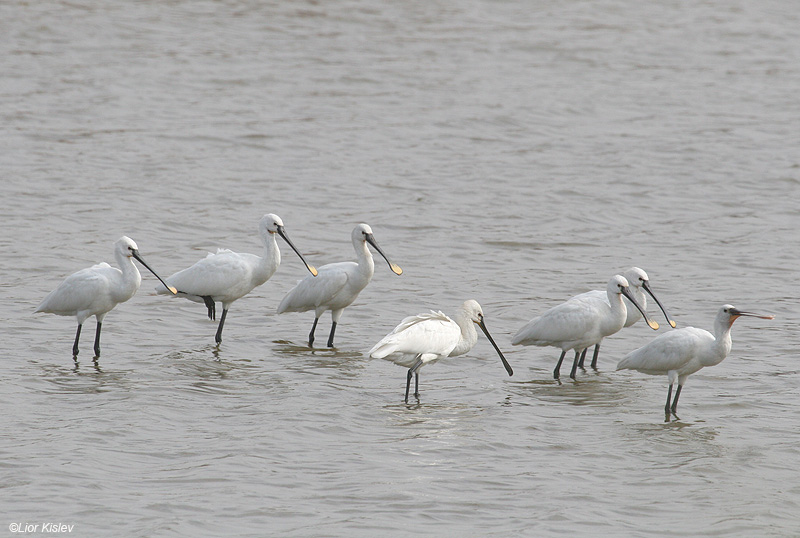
<point x="96" y="290"/>
<point x="337" y="285"/>
<point x="425" y="338"/>
<point x="227" y="275"/>
<point x="638" y="280"/>
<point x="682" y="352"/>
<point x="580" y="322"/>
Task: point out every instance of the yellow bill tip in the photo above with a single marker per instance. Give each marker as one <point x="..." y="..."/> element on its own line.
<point x="653" y="325"/>
<point x="396" y="269"/>
<point x="173" y="290"/>
<point x="313" y="270"/>
<point x="768" y="317"/>
<point x="672" y="324"/>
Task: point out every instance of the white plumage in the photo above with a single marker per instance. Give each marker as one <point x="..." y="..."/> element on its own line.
<point x="226" y="276"/>
<point x="428" y="337"/>
<point x="637" y="280"/>
<point x="96" y="290"/>
<point x="682" y="352"/>
<point x="580" y="322"/>
<point x="337" y="285"/>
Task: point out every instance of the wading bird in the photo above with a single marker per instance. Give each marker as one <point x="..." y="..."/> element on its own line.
<point x="96" y="290"/>
<point x="337" y="285"/>
<point x="638" y="280"/>
<point x="428" y="337"/>
<point x="227" y="276"/>
<point x="682" y="352"/>
<point x="580" y="322"/>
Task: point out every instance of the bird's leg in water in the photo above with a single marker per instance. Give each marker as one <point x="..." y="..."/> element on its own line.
<point x="75" y="345"/>
<point x="675" y="401"/>
<point x="218" y="337"/>
<point x="669" y="400"/>
<point x="583" y="356"/>
<point x="330" y="337"/>
<point x="594" y="357"/>
<point x="575" y="364"/>
<point x="413" y="370"/>
<point x="557" y="371"/>
<point x="311" y="334"/>
<point x="97" y="339"/>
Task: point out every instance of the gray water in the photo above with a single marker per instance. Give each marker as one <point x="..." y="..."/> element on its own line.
<point x="512" y="152"/>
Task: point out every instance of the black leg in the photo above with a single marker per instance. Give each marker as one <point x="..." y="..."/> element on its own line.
<point x="583" y="356"/>
<point x="594" y="357"/>
<point x="330" y="338"/>
<point x="557" y="371"/>
<point x="669" y="400"/>
<point x="311" y="334"/>
<point x="218" y="337"/>
<point x="675" y="401"/>
<point x="97" y="340"/>
<point x="75" y="345"/>
<point x="416" y="384"/>
<point x="575" y="364"/>
<point x="408" y="383"/>
<point x="212" y="308"/>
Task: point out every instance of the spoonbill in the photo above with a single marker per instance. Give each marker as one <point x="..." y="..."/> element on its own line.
<point x="227" y="276"/>
<point x="580" y="322"/>
<point x="428" y="337"/>
<point x="337" y="285"/>
<point x="96" y="290"/>
<point x="638" y="280"/>
<point x="682" y="352"/>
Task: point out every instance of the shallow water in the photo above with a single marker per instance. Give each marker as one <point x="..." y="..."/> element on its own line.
<point x="510" y="152"/>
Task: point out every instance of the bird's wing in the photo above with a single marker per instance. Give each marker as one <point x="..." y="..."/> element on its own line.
<point x="566" y="322"/>
<point x="79" y="290"/>
<point x="213" y="275"/>
<point x="313" y="291"/>
<point x="430" y="333"/>
<point x="593" y="294"/>
<point x="669" y="351"/>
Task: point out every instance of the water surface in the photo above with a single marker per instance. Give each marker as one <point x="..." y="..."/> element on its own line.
<point x="512" y="152"/>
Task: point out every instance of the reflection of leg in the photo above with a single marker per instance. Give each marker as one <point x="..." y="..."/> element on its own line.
<point x="218" y="337"/>
<point x="75" y="345"/>
<point x="97" y="339"/>
<point x="311" y="334"/>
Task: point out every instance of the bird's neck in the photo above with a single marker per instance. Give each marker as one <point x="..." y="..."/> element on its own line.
<point x="268" y="263"/>
<point x="722" y="343"/>
<point x="365" y="262"/>
<point x="131" y="278"/>
<point x="619" y="312"/>
<point x="469" y="336"/>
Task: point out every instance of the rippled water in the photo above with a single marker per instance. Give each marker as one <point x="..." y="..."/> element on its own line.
<point x="513" y="152"/>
